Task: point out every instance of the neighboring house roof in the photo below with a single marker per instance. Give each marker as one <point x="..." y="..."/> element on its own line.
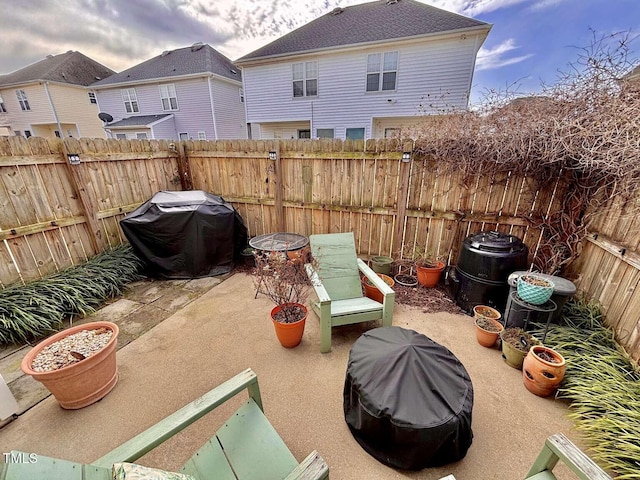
<point x="366" y="23"/>
<point x="139" y="121"/>
<point x="198" y="58"/>
<point x="633" y="75"/>
<point x="70" y="67"/>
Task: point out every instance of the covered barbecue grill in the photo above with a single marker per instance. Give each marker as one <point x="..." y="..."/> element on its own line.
<point x="186" y="234"/>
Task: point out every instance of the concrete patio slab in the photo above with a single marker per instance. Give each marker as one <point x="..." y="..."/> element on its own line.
<point x="225" y="331"/>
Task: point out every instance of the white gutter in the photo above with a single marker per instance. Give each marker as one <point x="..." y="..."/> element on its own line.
<point x="53" y="109"/>
<point x="213" y="114"/>
<point x="149" y="81"/>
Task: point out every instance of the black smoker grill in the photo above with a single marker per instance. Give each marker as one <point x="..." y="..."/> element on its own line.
<point x="485" y="262"/>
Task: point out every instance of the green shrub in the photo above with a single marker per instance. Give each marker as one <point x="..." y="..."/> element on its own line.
<point x="39" y="307"/>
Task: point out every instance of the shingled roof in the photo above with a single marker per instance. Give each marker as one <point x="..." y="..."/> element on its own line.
<point x="70" y="67"/>
<point x="365" y="23"/>
<point x="198" y="58"/>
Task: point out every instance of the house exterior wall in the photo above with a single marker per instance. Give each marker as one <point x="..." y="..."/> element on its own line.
<point x="38" y="102"/>
<point x="194" y="106"/>
<point x="432" y="74"/>
<point x="229" y="110"/>
<point x="284" y="130"/>
<point x="165" y="130"/>
<point x="73" y="106"/>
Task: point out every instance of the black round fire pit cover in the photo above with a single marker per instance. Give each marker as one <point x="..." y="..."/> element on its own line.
<point x="407" y="399"/>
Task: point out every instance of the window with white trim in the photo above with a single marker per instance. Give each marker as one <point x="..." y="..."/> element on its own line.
<point x="183" y="136"/>
<point x="202" y="135"/>
<point x="305" y="79"/>
<point x="22" y="100"/>
<point x="169" y="97"/>
<point x="27" y="133"/>
<point x="241" y="95"/>
<point x="3" y="109"/>
<point x="130" y="100"/>
<point x="382" y="71"/>
<point x="141" y="135"/>
<point x="92" y="97"/>
<point x="355" y="134"/>
<point x="325" y="132"/>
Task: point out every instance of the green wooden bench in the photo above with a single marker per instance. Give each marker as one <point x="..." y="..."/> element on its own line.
<point x="559" y="448"/>
<point x="245" y="447"/>
<point x="335" y="276"/>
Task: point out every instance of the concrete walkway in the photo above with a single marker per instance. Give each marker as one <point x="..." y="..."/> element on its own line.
<point x="226" y="330"/>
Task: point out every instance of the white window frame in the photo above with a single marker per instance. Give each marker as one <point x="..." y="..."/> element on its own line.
<point x="306" y="75"/>
<point x="168" y="97"/>
<point x="202" y="135"/>
<point x="241" y="92"/>
<point x="141" y="136"/>
<point x="92" y="98"/>
<point x="23" y="100"/>
<point x="130" y="100"/>
<point x="326" y="130"/>
<point x="3" y="108"/>
<point x="364" y="132"/>
<point x="381" y="65"/>
<point x="183" y="136"/>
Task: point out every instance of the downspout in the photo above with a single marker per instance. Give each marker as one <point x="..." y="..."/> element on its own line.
<point x="53" y="109"/>
<point x="213" y="115"/>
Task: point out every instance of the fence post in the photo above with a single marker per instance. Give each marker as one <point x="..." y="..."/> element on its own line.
<point x="279" y="193"/>
<point x="89" y="207"/>
<point x="403" y="194"/>
<point x="186" y="181"/>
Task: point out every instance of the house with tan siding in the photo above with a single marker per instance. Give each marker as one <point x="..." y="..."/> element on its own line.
<point x="365" y="71"/>
<point x="50" y="98"/>
<point x="188" y="93"/>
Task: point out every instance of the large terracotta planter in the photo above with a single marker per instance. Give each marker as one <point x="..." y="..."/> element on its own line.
<point x="429" y="276"/>
<point x="372" y="292"/>
<point x="289" y="334"/>
<point x="82" y="383"/>
<point x="542" y="377"/>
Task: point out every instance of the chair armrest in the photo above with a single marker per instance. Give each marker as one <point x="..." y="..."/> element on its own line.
<point x="311" y="468"/>
<point x="321" y="292"/>
<point x="374" y="278"/>
<point x="177" y="421"/>
<point x="559" y="447"/>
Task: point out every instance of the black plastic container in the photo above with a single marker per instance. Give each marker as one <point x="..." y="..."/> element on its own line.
<point x="485" y="262"/>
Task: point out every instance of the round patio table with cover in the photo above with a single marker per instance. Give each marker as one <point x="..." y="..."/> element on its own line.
<point x="407" y="399"/>
<point x="279" y="242"/>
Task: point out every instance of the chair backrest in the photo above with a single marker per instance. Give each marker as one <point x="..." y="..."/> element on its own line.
<point x="337" y="264"/>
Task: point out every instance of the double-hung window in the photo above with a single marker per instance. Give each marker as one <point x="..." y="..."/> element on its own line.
<point x="382" y="70"/>
<point x="130" y="100"/>
<point x="22" y="100"/>
<point x="3" y="109"/>
<point x="92" y="98"/>
<point x="305" y="79"/>
<point x="169" y="97"/>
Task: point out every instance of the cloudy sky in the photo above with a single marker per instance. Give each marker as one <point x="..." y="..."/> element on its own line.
<point x="530" y="42"/>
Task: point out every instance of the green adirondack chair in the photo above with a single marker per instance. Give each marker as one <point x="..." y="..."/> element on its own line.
<point x="559" y="448"/>
<point x="335" y="275"/>
<point x="245" y="447"/>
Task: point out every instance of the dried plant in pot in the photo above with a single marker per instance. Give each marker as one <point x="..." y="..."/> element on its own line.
<point x="285" y="282"/>
<point x="487" y="330"/>
<point x="516" y="343"/>
<point x="428" y="267"/>
<point x="78" y="365"/>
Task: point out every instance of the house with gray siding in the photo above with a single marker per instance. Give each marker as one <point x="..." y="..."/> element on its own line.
<point x="372" y="70"/>
<point x="188" y="93"/>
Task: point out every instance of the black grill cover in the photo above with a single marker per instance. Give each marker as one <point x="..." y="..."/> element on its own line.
<point x="407" y="399"/>
<point x="186" y="234"/>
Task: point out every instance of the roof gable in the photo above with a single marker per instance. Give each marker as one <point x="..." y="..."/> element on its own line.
<point x="198" y="58"/>
<point x="70" y="67"/>
<point x="368" y="22"/>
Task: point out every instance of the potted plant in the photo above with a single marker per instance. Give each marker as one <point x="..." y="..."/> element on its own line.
<point x="371" y="291"/>
<point x="487" y="328"/>
<point x="285" y="282"/>
<point x="543" y="370"/>
<point x="381" y="264"/>
<point x="534" y="289"/>
<point x="516" y="343"/>
<point x="77" y="365"/>
<point x="427" y="266"/>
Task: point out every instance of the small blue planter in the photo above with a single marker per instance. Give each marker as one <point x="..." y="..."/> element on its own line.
<point x="534" y="293"/>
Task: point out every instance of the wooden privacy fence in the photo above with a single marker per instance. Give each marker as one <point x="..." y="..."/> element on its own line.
<point x="56" y="211"/>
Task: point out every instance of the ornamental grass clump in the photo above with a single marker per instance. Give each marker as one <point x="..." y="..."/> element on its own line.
<point x="603" y="385"/>
<point x="39" y="307"/>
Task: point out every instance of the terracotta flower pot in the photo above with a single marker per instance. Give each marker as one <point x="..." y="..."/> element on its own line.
<point x="289" y="334"/>
<point x="82" y="383"/>
<point x="429" y="276"/>
<point x="372" y="292"/>
<point x="487" y="338"/>
<point x="542" y="376"/>
<point x="484" y="311"/>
